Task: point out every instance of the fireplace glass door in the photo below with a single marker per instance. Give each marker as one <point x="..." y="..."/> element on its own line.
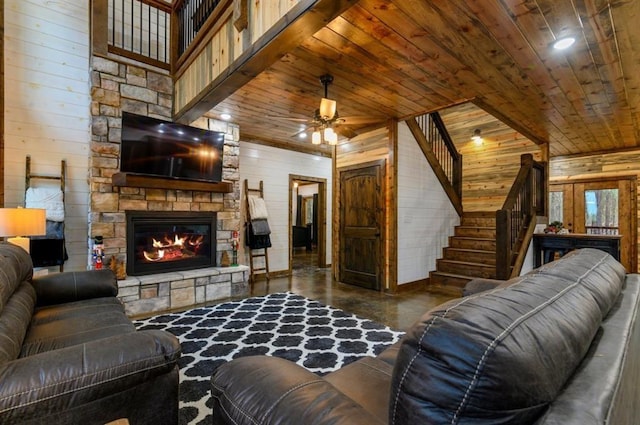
<point x="161" y="242"/>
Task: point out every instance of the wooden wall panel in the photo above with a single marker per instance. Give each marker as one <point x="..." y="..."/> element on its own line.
<point x="212" y="61"/>
<point x="488" y="168"/>
<point x="225" y="46"/>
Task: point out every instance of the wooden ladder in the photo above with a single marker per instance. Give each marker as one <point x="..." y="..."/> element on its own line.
<point x="261" y="252"/>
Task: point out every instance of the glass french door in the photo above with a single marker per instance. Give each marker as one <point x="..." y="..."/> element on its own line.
<point x="602" y="207"/>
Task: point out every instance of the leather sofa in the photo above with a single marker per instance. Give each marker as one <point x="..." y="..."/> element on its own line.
<point x="70" y="355"/>
<point x="559" y="345"/>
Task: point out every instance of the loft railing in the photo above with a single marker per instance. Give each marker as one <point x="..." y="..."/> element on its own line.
<point x="516" y="220"/>
<point x="140" y="30"/>
<point x="192" y="15"/>
<point x="193" y="18"/>
<point x="436" y="144"/>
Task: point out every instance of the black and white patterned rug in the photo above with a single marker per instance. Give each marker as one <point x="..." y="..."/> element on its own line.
<point x="318" y="337"/>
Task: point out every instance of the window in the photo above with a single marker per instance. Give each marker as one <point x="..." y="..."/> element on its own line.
<point x="601" y="211"/>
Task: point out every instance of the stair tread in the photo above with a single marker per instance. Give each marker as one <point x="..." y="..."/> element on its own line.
<point x="473" y="238"/>
<point x="479" y="214"/>
<point x="462" y="226"/>
<point x="472" y="250"/>
<point x="468" y="263"/>
<point x="454" y="275"/>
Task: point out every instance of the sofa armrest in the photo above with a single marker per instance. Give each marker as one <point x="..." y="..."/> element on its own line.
<point x="60" y="380"/>
<point x="58" y="288"/>
<point x="263" y="389"/>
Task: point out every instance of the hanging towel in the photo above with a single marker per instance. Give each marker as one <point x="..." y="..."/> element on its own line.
<point x="260" y="227"/>
<point x="254" y="241"/>
<point x="257" y="207"/>
<point x="49" y="199"/>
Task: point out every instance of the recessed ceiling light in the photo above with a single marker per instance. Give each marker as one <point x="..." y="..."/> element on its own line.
<point x="225" y="117"/>
<point x="564" y="43"/>
<point x="302" y="135"/>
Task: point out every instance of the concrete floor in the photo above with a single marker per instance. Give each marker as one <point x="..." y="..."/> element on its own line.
<point x="397" y="311"/>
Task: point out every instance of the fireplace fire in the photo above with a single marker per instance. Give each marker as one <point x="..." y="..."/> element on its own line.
<point x="169" y="241"/>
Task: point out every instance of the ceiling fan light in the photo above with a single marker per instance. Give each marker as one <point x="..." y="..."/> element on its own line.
<point x="316" y="138"/>
<point x="477" y="135"/>
<point x="330" y="136"/>
<point x="327" y="108"/>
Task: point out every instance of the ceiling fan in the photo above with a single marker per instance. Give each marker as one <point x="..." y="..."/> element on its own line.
<point x="327" y="125"/>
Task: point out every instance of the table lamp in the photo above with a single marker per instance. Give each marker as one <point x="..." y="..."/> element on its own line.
<point x="18" y="223"/>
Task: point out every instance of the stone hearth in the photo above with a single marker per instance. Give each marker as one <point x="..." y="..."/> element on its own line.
<point x="154" y="293"/>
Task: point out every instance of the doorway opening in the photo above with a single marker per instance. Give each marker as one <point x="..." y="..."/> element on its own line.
<point x="307" y="223"/>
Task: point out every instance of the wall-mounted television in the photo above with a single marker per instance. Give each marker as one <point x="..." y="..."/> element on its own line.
<point x="161" y="148"/>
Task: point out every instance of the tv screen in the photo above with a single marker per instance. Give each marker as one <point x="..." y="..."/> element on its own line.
<point x="161" y="148"/>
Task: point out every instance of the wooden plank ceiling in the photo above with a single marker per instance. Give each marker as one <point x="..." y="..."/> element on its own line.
<point x="401" y="58"/>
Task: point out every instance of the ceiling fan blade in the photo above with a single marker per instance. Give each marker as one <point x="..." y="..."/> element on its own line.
<point x="275" y="117"/>
<point x="304" y="130"/>
<point x="345" y="131"/>
<point x="358" y="120"/>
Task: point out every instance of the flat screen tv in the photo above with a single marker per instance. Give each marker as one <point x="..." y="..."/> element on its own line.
<point x="161" y="148"/>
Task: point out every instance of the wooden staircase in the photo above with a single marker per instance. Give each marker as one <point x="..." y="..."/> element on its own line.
<point x="471" y="253"/>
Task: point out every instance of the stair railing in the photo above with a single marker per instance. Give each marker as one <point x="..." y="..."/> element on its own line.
<point x="438" y="148"/>
<point x="516" y="220"/>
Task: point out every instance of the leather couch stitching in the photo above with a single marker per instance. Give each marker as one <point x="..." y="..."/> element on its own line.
<point x="385" y="372"/>
<point x="507" y="330"/>
<point x="75" y="389"/>
<point x="295" y="388"/>
<point x="406" y="370"/>
<point x="223" y="394"/>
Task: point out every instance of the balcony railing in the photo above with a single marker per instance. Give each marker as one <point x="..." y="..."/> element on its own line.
<point x="140" y="30"/>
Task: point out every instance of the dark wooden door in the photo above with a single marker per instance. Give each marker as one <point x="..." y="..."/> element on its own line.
<point x="361" y="226"/>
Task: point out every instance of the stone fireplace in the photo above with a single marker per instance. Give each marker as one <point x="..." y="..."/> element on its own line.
<point x="159" y="241"/>
<point x="118" y="87"/>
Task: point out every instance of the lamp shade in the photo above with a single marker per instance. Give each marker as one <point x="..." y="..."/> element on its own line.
<point x="330" y="136"/>
<point x="316" y="137"/>
<point x="327" y="108"/>
<point x="22" y="222"/>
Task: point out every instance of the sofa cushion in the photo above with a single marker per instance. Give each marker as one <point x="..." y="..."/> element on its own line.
<point x="64" y="325"/>
<point x="15" y="267"/>
<point x="14" y="321"/>
<point x="503" y="355"/>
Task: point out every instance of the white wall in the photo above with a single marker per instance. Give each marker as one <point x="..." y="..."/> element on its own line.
<point x="47" y="105"/>
<point x="426" y="217"/>
<point x="273" y="166"/>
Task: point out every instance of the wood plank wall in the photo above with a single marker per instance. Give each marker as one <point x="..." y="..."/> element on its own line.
<point x="47" y="106"/>
<point x="225" y="46"/>
<point x="488" y="168"/>
<point x="610" y="165"/>
<point x="367" y="147"/>
<point x="273" y="166"/>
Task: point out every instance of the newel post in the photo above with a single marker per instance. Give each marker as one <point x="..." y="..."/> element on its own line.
<point x="503" y="244"/>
